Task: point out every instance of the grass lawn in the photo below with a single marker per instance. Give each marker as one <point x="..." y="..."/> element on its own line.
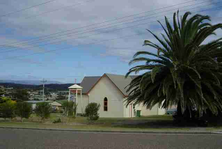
<point x="150" y="123"/>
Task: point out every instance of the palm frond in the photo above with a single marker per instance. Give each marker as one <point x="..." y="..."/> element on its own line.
<point x="185" y="71"/>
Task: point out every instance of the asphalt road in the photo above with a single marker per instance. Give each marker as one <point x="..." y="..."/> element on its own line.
<point x="39" y="139"/>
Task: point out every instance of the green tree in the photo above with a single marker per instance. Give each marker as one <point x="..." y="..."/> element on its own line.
<point x="69" y="108"/>
<point x="185" y="71"/>
<point x="43" y="110"/>
<point x="91" y="111"/>
<point x="23" y="110"/>
<point x="20" y="95"/>
<point x="7" y="108"/>
<point x="2" y="91"/>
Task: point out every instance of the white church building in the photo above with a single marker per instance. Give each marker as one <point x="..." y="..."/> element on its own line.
<point x="109" y="91"/>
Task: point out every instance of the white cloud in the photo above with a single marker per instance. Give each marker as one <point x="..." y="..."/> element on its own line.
<point x="13" y="44"/>
<point x="90" y="12"/>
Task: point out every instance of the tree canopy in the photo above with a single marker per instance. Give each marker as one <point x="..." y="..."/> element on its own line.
<point x="20" y="95"/>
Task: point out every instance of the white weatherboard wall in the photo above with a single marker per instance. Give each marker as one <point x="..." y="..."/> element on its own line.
<point x="105" y="88"/>
<point x="82" y="104"/>
<point x="161" y="111"/>
<point x="154" y="111"/>
<point x="128" y="111"/>
<point x="147" y="112"/>
<point x="131" y="110"/>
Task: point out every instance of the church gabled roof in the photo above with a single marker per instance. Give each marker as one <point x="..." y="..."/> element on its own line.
<point x="88" y="82"/>
<point x="118" y="80"/>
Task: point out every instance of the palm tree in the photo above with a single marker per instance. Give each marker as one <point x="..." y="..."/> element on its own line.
<point x="185" y="71"/>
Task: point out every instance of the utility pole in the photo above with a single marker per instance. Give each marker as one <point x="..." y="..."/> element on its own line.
<point x="43" y="90"/>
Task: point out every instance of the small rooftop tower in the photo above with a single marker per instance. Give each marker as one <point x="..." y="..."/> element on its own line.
<point x="75" y="90"/>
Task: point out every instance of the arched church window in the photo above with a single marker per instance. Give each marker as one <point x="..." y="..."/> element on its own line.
<point x="105" y="104"/>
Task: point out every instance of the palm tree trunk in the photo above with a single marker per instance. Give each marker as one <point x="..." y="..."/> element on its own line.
<point x="179" y="111"/>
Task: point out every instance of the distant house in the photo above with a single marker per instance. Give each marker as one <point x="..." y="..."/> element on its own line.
<point x="109" y="91"/>
<point x="34" y="103"/>
<point x="56" y="105"/>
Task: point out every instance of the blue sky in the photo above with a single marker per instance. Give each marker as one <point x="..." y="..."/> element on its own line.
<point x="69" y="39"/>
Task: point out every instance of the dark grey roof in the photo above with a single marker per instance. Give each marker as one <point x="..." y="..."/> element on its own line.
<point x="88" y="82"/>
<point x="118" y="80"/>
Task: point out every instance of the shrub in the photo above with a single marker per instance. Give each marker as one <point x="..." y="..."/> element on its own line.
<point x="61" y="111"/>
<point x="23" y="110"/>
<point x="92" y="111"/>
<point x="194" y="118"/>
<point x="69" y="108"/>
<point x="81" y="114"/>
<point x="212" y="119"/>
<point x="54" y="110"/>
<point x="43" y="110"/>
<point x="57" y="120"/>
<point x="7" y="108"/>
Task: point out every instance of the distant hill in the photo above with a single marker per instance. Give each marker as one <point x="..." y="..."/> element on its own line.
<point x="55" y="87"/>
<point x="58" y="87"/>
<point x="29" y="82"/>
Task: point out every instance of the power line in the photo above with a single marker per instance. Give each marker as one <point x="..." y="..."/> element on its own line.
<point x="75" y="46"/>
<point x="40" y="37"/>
<point x="99" y="29"/>
<point x="84" y="44"/>
<point x="15" y="48"/>
<point x="80" y="45"/>
<point x="24" y="9"/>
<point x="108" y="26"/>
<point x="75" y="29"/>
<point x="88" y="31"/>
<point x="47" y="12"/>
<point x="68" y="48"/>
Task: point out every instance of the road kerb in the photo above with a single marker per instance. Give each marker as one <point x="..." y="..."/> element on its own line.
<point x="118" y="131"/>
